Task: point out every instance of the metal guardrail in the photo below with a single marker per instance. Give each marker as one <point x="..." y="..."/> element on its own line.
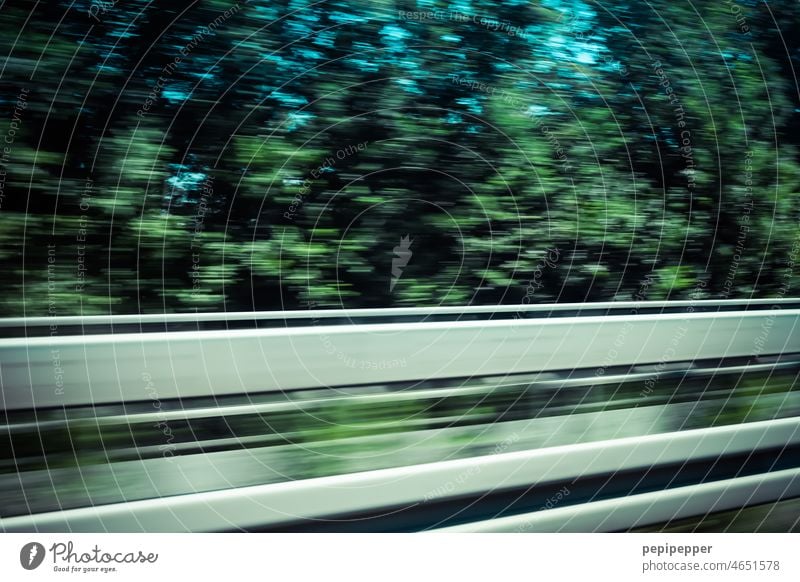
<point x="382" y="315"/>
<point x="202" y="362"/>
<point x="345" y="501"/>
<point x="73" y="370"/>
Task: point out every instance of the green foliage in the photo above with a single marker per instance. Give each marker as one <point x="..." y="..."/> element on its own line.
<point x="279" y="159"/>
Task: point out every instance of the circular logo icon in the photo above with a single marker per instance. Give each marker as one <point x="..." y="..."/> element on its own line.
<point x="31" y="555"/>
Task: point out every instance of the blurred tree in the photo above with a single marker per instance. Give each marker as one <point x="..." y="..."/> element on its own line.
<point x="273" y="154"/>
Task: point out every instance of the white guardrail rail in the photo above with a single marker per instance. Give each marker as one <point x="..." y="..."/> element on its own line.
<point x="73" y="364"/>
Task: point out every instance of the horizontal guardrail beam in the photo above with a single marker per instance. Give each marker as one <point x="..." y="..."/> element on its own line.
<point x="106" y="368"/>
<point x="278" y="504"/>
<point x="622" y="307"/>
<point x="657" y="507"/>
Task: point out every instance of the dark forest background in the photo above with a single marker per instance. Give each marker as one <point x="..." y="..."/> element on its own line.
<point x="181" y="156"/>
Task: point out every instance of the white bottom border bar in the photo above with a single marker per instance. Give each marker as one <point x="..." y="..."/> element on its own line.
<point x="400" y="557"/>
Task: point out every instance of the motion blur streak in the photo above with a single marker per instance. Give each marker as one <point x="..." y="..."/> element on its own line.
<point x="398" y="265"/>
